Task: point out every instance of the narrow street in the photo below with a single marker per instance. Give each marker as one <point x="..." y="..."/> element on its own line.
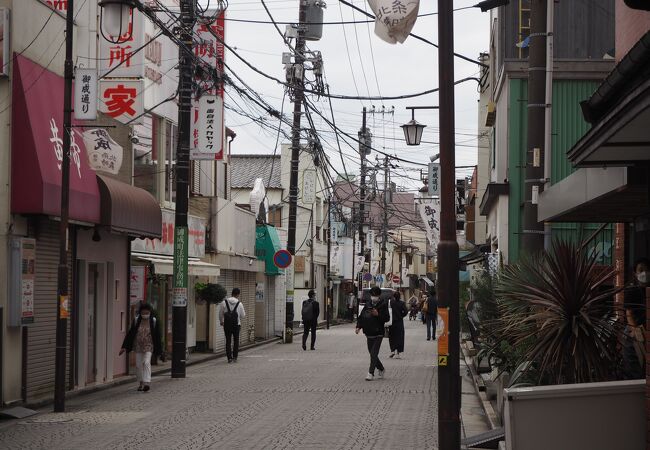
<point x="276" y="397"/>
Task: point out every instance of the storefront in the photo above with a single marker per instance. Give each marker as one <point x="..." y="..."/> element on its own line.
<point x="104" y="214"/>
<point x="152" y="270"/>
<point x="267" y="242"/>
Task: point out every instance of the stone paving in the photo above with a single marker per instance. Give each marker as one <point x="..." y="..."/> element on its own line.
<point x="276" y="397"/>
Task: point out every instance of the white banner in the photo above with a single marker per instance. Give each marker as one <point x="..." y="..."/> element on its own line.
<point x="123" y="57"/>
<point x="208" y="128"/>
<point x="374" y="267"/>
<point x="394" y="19"/>
<point x="335" y="259"/>
<point x="309" y="187"/>
<point x="85" y="94"/>
<point x="104" y="153"/>
<point x="358" y="263"/>
<point x="430" y="213"/>
<point x="434" y="180"/>
<point x="122" y="100"/>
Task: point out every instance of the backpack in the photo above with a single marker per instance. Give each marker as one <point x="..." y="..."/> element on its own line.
<point x="307" y="311"/>
<point x="230" y="317"/>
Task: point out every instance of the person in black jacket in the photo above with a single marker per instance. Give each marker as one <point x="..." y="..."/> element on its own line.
<point x="144" y="338"/>
<point x="431" y="315"/>
<point x="396" y="330"/>
<point x="371" y="320"/>
<point x="310" y="312"/>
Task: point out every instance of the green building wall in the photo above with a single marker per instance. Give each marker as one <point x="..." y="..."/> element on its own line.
<point x="567" y="127"/>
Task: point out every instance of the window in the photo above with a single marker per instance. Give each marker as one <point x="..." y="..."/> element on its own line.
<point x="318" y="233"/>
<point x="422" y="261"/>
<point x="275" y="216"/>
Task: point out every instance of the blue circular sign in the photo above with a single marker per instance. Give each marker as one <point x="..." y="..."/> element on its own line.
<point x="282" y="259"/>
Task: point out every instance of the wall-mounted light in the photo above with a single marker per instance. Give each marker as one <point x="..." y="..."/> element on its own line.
<point x="116" y="20"/>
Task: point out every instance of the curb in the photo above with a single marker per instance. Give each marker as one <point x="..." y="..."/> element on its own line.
<point x="492" y="417"/>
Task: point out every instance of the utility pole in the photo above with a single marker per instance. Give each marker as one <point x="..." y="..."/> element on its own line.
<point x="329" y="289"/>
<point x="364" y="144"/>
<point x="62" y="300"/>
<point x="298" y="96"/>
<point x="181" y="238"/>
<point x="401" y="259"/>
<point x="384" y="227"/>
<point x="449" y="373"/>
<point x="532" y="237"/>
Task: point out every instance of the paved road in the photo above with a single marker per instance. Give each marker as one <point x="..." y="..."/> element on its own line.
<point x="276" y="397"/>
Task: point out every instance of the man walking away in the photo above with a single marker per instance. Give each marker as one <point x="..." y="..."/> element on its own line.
<point x="310" y="313"/>
<point x="371" y="320"/>
<point x="396" y="330"/>
<point x="231" y="312"/>
<point x="431" y="313"/>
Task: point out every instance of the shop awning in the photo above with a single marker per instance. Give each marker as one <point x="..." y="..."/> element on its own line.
<point x="128" y="209"/>
<point x="267" y="242"/>
<point x="164" y="265"/>
<point x="37" y="148"/>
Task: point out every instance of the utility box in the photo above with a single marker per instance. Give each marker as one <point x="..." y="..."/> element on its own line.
<point x="587" y="416"/>
<point x="22" y="279"/>
<point x="314" y="19"/>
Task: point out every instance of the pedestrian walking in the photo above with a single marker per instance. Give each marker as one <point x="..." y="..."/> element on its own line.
<point x="351" y="303"/>
<point x="310" y="312"/>
<point x="396" y="329"/>
<point x="231" y="312"/>
<point x="371" y="320"/>
<point x="144" y="338"/>
<point x="635" y="317"/>
<point x="430" y="311"/>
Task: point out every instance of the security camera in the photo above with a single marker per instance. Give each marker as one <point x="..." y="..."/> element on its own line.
<point x="250" y="262"/>
<point x="434" y="157"/>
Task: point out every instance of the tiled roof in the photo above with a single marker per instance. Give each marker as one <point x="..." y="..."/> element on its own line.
<point x="246" y="168"/>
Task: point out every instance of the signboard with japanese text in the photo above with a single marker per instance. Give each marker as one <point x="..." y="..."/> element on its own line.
<point x="434" y="180"/>
<point x="122" y="100"/>
<point x="430" y="214"/>
<point x="208" y="129"/>
<point x="104" y="154"/>
<point x="210" y="49"/>
<point x="123" y="60"/>
<point x="165" y="246"/>
<point x="138" y="285"/>
<point x="85" y="94"/>
<point x="259" y="292"/>
<point x="335" y="259"/>
<point x="179" y="293"/>
<point x="28" y="278"/>
<point x="309" y="187"/>
<point x="443" y="331"/>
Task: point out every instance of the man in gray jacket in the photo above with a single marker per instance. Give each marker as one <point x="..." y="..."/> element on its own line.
<point x="231" y="312"/>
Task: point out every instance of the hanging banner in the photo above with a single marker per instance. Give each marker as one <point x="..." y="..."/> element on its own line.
<point x="394" y="19"/>
<point x="309" y="187"/>
<point x="104" y="154"/>
<point x="430" y="214"/>
<point x="358" y="263"/>
<point x="335" y="259"/>
<point x="374" y="267"/>
<point x="122" y="100"/>
<point x="121" y="60"/>
<point x="209" y="49"/>
<point x="208" y="130"/>
<point x="434" y="180"/>
<point x="85" y="94"/>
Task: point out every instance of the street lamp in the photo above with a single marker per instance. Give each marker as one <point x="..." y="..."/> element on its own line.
<point x="116" y="20"/>
<point x="413" y="131"/>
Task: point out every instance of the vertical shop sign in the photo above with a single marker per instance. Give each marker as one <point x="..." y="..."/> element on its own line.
<point x="179" y="295"/>
<point x="85" y="94"/>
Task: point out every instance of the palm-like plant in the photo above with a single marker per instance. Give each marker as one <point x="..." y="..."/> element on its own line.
<point x="557" y="308"/>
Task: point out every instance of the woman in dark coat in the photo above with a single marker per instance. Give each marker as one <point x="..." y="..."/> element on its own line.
<point x="144" y="338"/>
<point x="396" y="330"/>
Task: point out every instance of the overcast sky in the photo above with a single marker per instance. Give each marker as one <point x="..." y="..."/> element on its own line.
<point x="350" y="69"/>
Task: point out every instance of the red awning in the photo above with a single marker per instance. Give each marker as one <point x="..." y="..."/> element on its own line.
<point x="37" y="149"/>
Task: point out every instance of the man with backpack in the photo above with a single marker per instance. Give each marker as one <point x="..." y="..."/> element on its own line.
<point x="231" y="312"/>
<point x="310" y="312"/>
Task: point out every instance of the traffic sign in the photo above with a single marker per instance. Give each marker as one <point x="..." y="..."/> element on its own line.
<point x="442" y="360"/>
<point x="367" y="276"/>
<point x="282" y="259"/>
<point x="395" y="279"/>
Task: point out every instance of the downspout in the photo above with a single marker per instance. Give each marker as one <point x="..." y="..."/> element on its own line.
<point x="548" y="115"/>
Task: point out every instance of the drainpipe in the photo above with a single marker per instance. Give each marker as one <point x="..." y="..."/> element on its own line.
<point x="548" y="115"/>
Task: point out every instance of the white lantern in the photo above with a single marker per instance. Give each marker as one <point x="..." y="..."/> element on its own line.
<point x="413" y="132"/>
<point x="116" y="16"/>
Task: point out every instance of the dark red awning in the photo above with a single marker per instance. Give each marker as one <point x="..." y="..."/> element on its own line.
<point x="36" y="149"/>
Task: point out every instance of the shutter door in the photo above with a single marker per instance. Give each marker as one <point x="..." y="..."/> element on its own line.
<point x="41" y="341"/>
<point x="247" y="297"/>
<point x="269" y="299"/>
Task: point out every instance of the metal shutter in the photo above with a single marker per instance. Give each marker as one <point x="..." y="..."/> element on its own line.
<point x="41" y="341"/>
<point x="269" y="304"/>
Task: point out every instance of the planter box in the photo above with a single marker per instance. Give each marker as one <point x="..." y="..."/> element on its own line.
<point x="589" y="416"/>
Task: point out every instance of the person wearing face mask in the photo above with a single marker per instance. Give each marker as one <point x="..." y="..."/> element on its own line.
<point x="635" y="317"/>
<point x="371" y="320"/>
<point x="144" y="338"/>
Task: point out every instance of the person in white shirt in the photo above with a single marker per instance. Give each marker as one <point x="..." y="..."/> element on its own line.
<point x="231" y="312"/>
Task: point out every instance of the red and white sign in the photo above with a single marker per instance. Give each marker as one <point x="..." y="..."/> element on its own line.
<point x="59" y="5"/>
<point x="211" y="50"/>
<point x="123" y="57"/>
<point x="165" y="245"/>
<point x="138" y="284"/>
<point x="396" y="279"/>
<point x="122" y="100"/>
